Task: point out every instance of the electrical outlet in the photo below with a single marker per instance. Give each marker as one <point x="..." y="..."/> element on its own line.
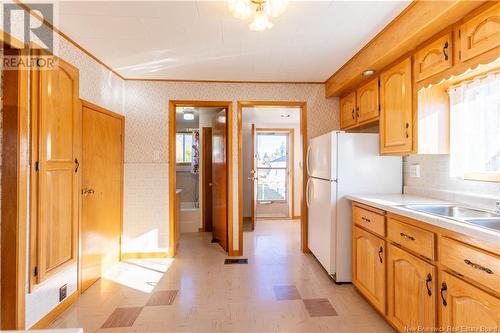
<point x="63" y="292"/>
<point x="413" y="170"/>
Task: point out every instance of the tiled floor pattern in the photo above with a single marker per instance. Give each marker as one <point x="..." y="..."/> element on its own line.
<point x="213" y="297"/>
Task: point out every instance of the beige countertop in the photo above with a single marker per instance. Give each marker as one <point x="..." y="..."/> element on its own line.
<point x="394" y="203"/>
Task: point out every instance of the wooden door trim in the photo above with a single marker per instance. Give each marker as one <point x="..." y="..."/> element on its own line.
<point x="303" y="130"/>
<point x="291" y="132"/>
<point x="173" y="104"/>
<point x="204" y="134"/>
<point x="121" y="118"/>
<point x="15" y="174"/>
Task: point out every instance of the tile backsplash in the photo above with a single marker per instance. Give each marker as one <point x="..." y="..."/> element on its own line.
<point x="435" y="182"/>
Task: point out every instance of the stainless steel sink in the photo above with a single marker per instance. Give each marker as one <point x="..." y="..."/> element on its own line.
<point x="473" y="216"/>
<point x="490" y="223"/>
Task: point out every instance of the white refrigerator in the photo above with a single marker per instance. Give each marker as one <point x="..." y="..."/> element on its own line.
<point x="339" y="164"/>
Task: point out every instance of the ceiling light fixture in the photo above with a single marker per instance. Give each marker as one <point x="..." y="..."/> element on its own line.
<point x="262" y="10"/>
<point x="284" y="115"/>
<point x="368" y="72"/>
<point x="188" y="115"/>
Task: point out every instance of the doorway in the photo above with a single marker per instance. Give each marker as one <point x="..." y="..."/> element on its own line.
<point x="271" y="144"/>
<point x="200" y="182"/>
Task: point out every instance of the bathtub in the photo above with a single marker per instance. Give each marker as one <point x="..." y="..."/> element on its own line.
<point x="190" y="217"/>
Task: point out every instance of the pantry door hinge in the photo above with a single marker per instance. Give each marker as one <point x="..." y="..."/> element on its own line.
<point x="37" y="166"/>
<point x="35" y="271"/>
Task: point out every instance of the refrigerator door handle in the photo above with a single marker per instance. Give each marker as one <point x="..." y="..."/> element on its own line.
<point x="308" y="200"/>
<point x="307" y="159"/>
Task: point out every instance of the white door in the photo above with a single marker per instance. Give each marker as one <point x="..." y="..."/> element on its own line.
<point x="320" y="195"/>
<point x="319" y="156"/>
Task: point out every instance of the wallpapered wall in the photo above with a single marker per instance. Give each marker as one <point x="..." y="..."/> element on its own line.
<point x="146" y="145"/>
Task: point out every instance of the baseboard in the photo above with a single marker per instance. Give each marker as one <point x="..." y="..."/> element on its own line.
<point x="144" y="255"/>
<point x="235" y="253"/>
<point x="52" y="315"/>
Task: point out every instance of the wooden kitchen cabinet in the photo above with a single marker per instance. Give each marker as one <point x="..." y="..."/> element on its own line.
<point x="348" y="111"/>
<point x="480" y="33"/>
<point x="434" y="57"/>
<point x="369" y="266"/>
<point x="410" y="290"/>
<point x="396" y="115"/>
<point x="462" y="305"/>
<point x="367" y="102"/>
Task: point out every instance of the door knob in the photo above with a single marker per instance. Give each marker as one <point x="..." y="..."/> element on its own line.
<point x="210" y="184"/>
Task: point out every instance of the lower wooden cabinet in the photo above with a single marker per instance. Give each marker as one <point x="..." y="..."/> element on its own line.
<point x="411" y="293"/>
<point x="369" y="267"/>
<point x="462" y="305"/>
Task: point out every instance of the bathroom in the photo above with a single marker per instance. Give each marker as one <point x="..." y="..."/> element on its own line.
<point x="193" y="133"/>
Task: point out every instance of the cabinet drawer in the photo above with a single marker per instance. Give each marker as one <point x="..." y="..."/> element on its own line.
<point x="418" y="240"/>
<point x="471" y="262"/>
<point x="369" y="220"/>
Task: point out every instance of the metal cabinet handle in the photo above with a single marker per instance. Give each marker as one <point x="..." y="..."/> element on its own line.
<point x="444" y="288"/>
<point x="357" y="112"/>
<point x="407" y="126"/>
<point x="365" y="219"/>
<point x="408" y="237"/>
<point x="445" y="51"/>
<point x="427" y="281"/>
<point x="77" y="165"/>
<point x="477" y="266"/>
<point x="88" y="191"/>
<point x="352" y="114"/>
<point x="380" y="253"/>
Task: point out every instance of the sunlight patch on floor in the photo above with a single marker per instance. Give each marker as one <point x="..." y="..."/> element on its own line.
<point x="139" y="274"/>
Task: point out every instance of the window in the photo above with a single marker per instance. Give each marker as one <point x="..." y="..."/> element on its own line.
<point x="184" y="147"/>
<point x="475" y="129"/>
<point x="272" y="166"/>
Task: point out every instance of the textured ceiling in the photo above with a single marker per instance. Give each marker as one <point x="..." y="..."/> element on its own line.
<point x="201" y="40"/>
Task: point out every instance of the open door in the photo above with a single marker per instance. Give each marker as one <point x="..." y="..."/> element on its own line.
<point x="253" y="176"/>
<point x="219" y="179"/>
<point x="206" y="137"/>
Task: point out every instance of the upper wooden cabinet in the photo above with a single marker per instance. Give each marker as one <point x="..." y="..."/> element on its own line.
<point x="411" y="293"/>
<point x="434" y="57"/>
<point x="367" y="102"/>
<point x="481" y="33"/>
<point x="396" y="116"/>
<point x="56" y="180"/>
<point x="348" y="110"/>
<point x="464" y="305"/>
<point x="360" y="107"/>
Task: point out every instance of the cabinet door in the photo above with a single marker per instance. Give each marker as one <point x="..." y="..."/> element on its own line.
<point x="59" y="131"/>
<point x="411" y="293"/>
<point x="368" y="274"/>
<point x="463" y="305"/>
<point x="396" y="109"/>
<point x="348" y="110"/>
<point x="367" y="102"/>
<point x="433" y="58"/>
<point x="481" y="33"/>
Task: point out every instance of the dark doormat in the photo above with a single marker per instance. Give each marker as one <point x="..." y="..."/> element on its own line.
<point x="235" y="261"/>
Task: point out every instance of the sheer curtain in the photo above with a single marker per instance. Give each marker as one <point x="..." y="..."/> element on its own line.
<point x="475" y="126"/>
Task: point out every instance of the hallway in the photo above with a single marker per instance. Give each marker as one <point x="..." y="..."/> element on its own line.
<point x="279" y="290"/>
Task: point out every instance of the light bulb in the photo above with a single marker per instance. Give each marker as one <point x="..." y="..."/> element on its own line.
<point x="274" y="8"/>
<point x="241" y="9"/>
<point x="260" y="22"/>
<point x="188" y="116"/>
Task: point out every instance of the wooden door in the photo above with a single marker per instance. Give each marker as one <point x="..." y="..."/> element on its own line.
<point x="253" y="177"/>
<point x="207" y="200"/>
<point x="219" y="178"/>
<point x="464" y="305"/>
<point x="396" y="123"/>
<point x="57" y="115"/>
<point x="369" y="267"/>
<point x="411" y="292"/>
<point x="348" y="110"/>
<point x="434" y="57"/>
<point x="367" y="102"/>
<point x="101" y="192"/>
<point x="481" y="33"/>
